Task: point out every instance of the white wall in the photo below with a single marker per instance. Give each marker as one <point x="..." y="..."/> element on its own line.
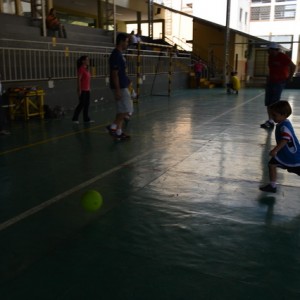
<point x="279" y="27"/>
<point x="182" y="26"/>
<point x="215" y="11"/>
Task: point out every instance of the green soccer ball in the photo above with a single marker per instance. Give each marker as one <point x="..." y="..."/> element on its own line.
<point x="91" y="200"/>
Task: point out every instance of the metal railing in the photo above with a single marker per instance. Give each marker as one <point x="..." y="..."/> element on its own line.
<point x="59" y="62"/>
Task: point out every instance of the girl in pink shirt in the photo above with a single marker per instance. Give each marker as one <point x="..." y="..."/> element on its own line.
<point x="83" y="89"/>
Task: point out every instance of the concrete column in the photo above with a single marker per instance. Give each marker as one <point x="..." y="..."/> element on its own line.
<point x="150" y="18"/>
<point x="226" y="45"/>
<point x="18" y="7"/>
<point x="139" y="21"/>
<point x="100" y="14"/>
<point x="49" y="5"/>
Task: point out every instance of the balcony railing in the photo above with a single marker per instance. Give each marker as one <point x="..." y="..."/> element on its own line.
<point x="59" y="62"/>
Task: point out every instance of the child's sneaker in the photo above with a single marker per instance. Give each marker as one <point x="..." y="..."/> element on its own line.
<point x="122" y="137"/>
<point x="268" y="188"/>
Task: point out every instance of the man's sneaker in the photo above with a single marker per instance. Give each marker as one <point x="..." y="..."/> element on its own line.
<point x="268" y="188"/>
<point x="122" y="137"/>
<point x="110" y="130"/>
<point x="267" y="125"/>
<point x="89" y="122"/>
<point x="76" y="122"/>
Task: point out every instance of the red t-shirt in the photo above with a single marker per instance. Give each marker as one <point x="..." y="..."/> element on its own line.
<point x="279" y="67"/>
<point x="85" y="79"/>
<point x="198" y="67"/>
<point x="52" y="22"/>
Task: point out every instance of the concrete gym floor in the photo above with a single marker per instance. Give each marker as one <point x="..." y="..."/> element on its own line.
<point x="183" y="217"/>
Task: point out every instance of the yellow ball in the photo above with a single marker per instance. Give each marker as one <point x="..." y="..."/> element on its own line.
<point x="91" y="200"/>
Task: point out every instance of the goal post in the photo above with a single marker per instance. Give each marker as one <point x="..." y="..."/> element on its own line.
<point x="169" y="55"/>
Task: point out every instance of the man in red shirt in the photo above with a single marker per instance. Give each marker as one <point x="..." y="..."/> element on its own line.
<point x="281" y="69"/>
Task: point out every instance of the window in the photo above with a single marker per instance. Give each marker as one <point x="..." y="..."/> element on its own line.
<point x="261" y="1"/>
<point x="26" y="8"/>
<point x="260" y="13"/>
<point x="241" y="14"/>
<point x="285" y="12"/>
<point x="246" y="18"/>
<point x="285" y="41"/>
<point x="260" y="63"/>
<point x="157" y="28"/>
<point x="9" y="7"/>
<point x="67" y="18"/>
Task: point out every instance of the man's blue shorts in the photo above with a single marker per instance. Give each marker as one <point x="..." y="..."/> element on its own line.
<point x="273" y="92"/>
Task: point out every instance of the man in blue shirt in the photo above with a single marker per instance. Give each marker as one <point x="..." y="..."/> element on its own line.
<point x="119" y="83"/>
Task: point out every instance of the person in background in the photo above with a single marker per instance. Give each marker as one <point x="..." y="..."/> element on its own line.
<point x="119" y="83"/>
<point x="140" y="40"/>
<point x="174" y="51"/>
<point x="3" y="131"/>
<point x="138" y="37"/>
<point x="286" y="154"/>
<point x="234" y="85"/>
<point x="83" y="90"/>
<point x="281" y="70"/>
<point x="53" y="24"/>
<point x="198" y="68"/>
<point x="133" y="40"/>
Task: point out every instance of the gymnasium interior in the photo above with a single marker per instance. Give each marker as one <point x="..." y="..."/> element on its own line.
<point x="181" y="216"/>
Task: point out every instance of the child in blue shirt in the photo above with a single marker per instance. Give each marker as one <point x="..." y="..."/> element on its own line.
<point x="286" y="154"/>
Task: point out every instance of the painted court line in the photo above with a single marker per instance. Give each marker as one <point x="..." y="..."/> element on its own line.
<point x="92" y="129"/>
<point x="49" y="140"/>
<point x="232" y="109"/>
<point x="61" y="196"/>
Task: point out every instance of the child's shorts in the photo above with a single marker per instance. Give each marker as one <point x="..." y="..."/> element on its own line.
<point x="274" y="161"/>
